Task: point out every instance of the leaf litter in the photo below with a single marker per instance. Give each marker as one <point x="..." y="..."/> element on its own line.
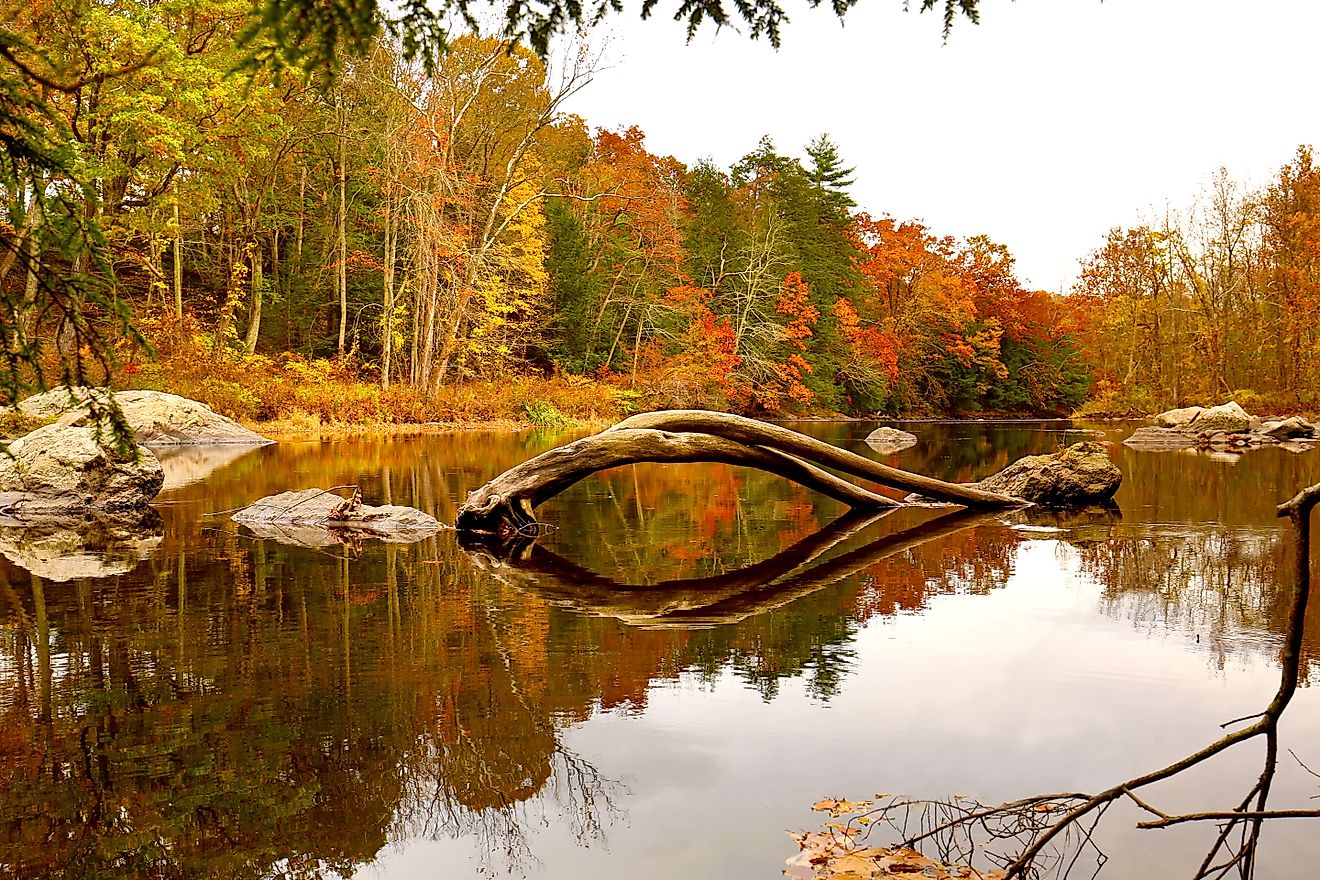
<point x="840" y="852"/>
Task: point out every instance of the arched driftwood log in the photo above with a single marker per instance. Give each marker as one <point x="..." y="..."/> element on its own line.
<point x="506" y="502"/>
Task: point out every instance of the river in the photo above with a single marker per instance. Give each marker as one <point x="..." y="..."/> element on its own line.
<point x="198" y="702"/>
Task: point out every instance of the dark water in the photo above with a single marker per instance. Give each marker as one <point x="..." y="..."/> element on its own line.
<point x="214" y="705"/>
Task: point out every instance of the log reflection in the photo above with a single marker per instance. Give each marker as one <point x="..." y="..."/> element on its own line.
<point x="720" y="599"/>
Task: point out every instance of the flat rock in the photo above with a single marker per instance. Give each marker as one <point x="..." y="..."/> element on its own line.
<point x="1287" y="429"/>
<point x="157" y="418"/>
<point x="1176" y="418"/>
<point x="1080" y="475"/>
<point x="886" y="440"/>
<point x="63" y="468"/>
<point x="1151" y="437"/>
<point x="318" y="517"/>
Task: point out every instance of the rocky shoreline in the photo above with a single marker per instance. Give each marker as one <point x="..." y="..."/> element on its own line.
<point x="1226" y="427"/>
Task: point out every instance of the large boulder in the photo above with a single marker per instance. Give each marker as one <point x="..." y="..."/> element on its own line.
<point x="318" y="517"/>
<point x="1081" y="474"/>
<point x="1228" y="418"/>
<point x="68" y="468"/>
<point x="886" y="440"/>
<point x="1177" y="418"/>
<point x="157" y="418"/>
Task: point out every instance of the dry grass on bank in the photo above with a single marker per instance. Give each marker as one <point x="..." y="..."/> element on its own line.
<point x="289" y="395"/>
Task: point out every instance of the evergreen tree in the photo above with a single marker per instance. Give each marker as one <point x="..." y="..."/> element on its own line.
<point x="829" y="175"/>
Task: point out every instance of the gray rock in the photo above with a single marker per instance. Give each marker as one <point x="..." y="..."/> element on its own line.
<point x="1176" y="418"/>
<point x="64" y="468"/>
<point x="1285" y="429"/>
<point x="60" y="399"/>
<point x="66" y="549"/>
<point x="1161" y="438"/>
<point x="317" y="518"/>
<point x="887" y="440"/>
<point x="157" y="418"/>
<point x="1227" y="417"/>
<point x="1079" y="475"/>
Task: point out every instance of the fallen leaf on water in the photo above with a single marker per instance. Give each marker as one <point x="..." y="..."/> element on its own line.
<point x="854" y="864"/>
<point x="836" y="807"/>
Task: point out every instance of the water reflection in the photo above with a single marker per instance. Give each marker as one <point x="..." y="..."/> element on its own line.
<point x="234" y="707"/>
<point x="66" y="549"/>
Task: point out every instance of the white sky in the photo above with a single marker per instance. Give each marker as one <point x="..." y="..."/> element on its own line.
<point x="1043" y="127"/>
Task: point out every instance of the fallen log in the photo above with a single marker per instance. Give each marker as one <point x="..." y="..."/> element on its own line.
<point x="508" y="499"/>
<point x="505" y="504"/>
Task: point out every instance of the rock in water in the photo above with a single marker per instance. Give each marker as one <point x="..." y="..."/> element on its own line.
<point x="1228" y="418"/>
<point x="1177" y="418"/>
<point x="1080" y="474"/>
<point x="1151" y="437"/>
<point x="60" y="468"/>
<point x="887" y="440"/>
<point x="314" y="517"/>
<point x="157" y="418"/>
<point x="1286" y="429"/>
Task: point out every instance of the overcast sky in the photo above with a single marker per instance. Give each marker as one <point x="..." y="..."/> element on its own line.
<point x="1043" y="127"/>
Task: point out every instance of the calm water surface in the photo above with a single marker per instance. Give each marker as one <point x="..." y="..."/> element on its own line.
<point x="199" y="702"/>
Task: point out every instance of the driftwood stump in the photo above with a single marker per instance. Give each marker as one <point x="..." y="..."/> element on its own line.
<point x="505" y="504"/>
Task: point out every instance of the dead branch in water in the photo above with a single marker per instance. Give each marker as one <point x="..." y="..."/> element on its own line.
<point x="505" y="504"/>
<point x="1042" y="821"/>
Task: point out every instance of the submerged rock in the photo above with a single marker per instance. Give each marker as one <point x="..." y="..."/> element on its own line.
<point x="157" y="418"/>
<point x="60" y="468"/>
<point x="1079" y="475"/>
<point x="318" y="518"/>
<point x="886" y="440"/>
<point x="68" y="549"/>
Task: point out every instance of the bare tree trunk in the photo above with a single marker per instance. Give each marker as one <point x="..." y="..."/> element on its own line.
<point x="302" y="222"/>
<point x="178" y="255"/>
<point x="387" y="319"/>
<point x="25" y="310"/>
<point x="254" y="315"/>
<point x="342" y="274"/>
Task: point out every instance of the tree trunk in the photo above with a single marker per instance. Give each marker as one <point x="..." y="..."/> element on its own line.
<point x="254" y="314"/>
<point x="178" y="255"/>
<point x="387" y="319"/>
<point x="342" y="224"/>
<point x="506" y="502"/>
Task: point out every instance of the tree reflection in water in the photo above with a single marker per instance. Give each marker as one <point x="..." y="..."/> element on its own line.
<point x="236" y="708"/>
<point x="1046" y="835"/>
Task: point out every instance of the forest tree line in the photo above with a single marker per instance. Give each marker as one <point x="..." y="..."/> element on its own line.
<point x="412" y="228"/>
<point x="1219" y="300"/>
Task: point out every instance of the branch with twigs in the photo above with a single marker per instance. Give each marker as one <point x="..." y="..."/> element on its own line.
<point x="1041" y="823"/>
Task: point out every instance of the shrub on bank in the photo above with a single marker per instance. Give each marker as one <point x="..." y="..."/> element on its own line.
<point x="296" y="390"/>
